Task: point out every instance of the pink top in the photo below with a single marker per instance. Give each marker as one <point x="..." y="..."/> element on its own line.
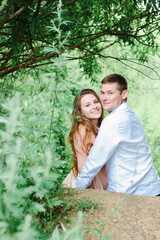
<point x="100" y="181"/>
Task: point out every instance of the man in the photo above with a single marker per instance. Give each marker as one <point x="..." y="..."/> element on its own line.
<point x="121" y="144"/>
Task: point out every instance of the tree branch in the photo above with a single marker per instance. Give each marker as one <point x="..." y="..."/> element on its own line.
<point x="121" y="61"/>
<point x="6" y="15"/>
<point x="22" y="9"/>
<point x="38" y="7"/>
<point x="69" y="3"/>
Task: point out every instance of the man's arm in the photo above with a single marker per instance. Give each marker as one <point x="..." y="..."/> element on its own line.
<point x="105" y="145"/>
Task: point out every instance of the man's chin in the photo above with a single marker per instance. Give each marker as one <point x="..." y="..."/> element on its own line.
<point x="106" y="108"/>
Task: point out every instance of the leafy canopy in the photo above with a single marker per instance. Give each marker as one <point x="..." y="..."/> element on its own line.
<point x="27" y="28"/>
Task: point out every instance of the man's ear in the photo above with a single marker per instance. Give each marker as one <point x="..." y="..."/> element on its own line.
<point x="124" y="94"/>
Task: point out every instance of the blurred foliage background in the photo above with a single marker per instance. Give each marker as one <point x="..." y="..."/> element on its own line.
<point x="36" y="99"/>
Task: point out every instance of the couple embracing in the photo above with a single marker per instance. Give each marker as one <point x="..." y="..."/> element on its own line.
<point x="110" y="153"/>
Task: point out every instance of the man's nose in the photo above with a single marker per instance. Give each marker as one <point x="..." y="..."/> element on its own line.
<point x="104" y="96"/>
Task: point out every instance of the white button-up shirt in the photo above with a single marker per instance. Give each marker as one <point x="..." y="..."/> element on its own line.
<point x="121" y="144"/>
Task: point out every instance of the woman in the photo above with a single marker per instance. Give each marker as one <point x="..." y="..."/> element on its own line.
<point x="87" y="116"/>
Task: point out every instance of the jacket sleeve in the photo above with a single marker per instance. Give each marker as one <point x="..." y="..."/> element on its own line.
<point x="100" y="181"/>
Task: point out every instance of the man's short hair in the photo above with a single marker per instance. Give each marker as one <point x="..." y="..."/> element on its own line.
<point x="116" y="78"/>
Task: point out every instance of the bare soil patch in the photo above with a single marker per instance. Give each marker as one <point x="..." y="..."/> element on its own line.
<point x="129" y="216"/>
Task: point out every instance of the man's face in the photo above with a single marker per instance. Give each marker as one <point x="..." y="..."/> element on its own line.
<point x="111" y="97"/>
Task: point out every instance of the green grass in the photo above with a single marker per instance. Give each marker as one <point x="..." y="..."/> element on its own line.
<point x="85" y="204"/>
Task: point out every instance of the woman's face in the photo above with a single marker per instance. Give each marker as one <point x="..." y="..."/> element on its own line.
<point x="91" y="107"/>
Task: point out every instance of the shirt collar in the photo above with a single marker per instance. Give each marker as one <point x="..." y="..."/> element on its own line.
<point x="120" y="107"/>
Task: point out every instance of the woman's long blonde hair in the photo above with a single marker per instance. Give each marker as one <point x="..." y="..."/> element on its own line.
<point x="79" y="119"/>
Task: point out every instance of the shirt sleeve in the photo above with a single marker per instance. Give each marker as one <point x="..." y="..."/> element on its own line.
<point x="104" y="147"/>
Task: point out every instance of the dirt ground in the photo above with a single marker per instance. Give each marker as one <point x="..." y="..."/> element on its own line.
<point x="128" y="216"/>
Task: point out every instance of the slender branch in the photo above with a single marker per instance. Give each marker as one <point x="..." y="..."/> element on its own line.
<point x="6" y="15"/>
<point x="137" y="70"/>
<point x="38" y="7"/>
<point x="14" y="15"/>
<point x="112" y="33"/>
<point x="26" y="64"/>
<point x="146" y="66"/>
<point x="133" y="18"/>
<point x="5" y="34"/>
<point x="116" y="10"/>
<point x="22" y="9"/>
<point x="91" y="52"/>
<point x="69" y="3"/>
<point x="121" y="61"/>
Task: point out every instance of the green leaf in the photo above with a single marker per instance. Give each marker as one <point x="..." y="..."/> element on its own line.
<point x="117" y="211"/>
<point x="37" y="207"/>
<point x="109" y="235"/>
<point x="55" y="234"/>
<point x="16" y="51"/>
<point x="98" y="232"/>
<point x="101" y="223"/>
<point x="56" y="202"/>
